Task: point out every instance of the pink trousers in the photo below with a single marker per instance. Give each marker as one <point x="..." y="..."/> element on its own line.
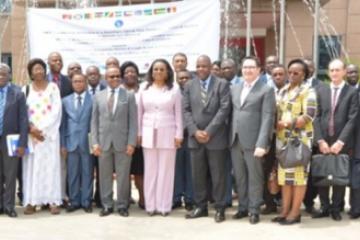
<point x="159" y="176"/>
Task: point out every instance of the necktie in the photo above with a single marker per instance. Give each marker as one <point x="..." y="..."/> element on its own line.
<point x="93" y="90"/>
<point x="2" y="106"/>
<point x="56" y="79"/>
<point x="203" y="92"/>
<point x="79" y="102"/>
<point x="111" y="101"/>
<point x="331" y="129"/>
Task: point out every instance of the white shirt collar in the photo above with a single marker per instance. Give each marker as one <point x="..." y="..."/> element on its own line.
<point x="340" y="86"/>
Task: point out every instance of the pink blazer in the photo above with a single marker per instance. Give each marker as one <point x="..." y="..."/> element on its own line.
<point x="160" y="117"/>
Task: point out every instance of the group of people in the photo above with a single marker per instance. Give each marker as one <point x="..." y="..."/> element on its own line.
<point x="186" y="137"/>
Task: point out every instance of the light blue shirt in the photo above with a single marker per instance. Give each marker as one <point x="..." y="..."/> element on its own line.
<point x="207" y="82"/>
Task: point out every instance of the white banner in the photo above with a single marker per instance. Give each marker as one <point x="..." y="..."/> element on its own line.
<point x="140" y="33"/>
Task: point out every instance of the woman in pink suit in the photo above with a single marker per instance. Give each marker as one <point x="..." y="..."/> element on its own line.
<point x="160" y="134"/>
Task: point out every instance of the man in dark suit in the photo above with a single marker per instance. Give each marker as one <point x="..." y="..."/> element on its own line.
<point x="311" y="190"/>
<point x="13" y="120"/>
<point x="252" y="127"/>
<point x="94" y="86"/>
<point x="55" y="63"/>
<point x="75" y="128"/>
<point x="334" y="125"/>
<point x="352" y="77"/>
<point x="206" y="104"/>
<point x="270" y="62"/>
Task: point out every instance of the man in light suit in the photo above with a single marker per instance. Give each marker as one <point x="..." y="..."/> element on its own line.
<point x="250" y="137"/>
<point x="13" y="120"/>
<point x="75" y="127"/>
<point x="113" y="133"/>
<point x="334" y="125"/>
<point x="206" y="104"/>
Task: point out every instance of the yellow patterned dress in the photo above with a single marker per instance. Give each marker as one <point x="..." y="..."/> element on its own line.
<point x="299" y="101"/>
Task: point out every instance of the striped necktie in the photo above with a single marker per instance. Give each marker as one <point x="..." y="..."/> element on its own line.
<point x="203" y="91"/>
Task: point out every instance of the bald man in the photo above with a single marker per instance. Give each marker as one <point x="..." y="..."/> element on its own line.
<point x="333" y="126"/>
<point x="206" y="103"/>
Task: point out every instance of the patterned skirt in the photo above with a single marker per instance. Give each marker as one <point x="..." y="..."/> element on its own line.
<point x="293" y="176"/>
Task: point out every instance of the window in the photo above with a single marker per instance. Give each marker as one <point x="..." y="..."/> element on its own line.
<point x="329" y="48"/>
<point x="5" y="6"/>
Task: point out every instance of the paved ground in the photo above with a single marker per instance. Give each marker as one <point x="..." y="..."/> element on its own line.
<point x="80" y="225"/>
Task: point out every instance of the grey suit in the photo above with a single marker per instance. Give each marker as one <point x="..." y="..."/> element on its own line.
<point x="113" y="132"/>
<point x="211" y="117"/>
<point x="251" y="127"/>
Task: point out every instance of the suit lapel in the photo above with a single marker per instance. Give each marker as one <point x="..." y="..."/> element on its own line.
<point x="237" y="94"/>
<point x="341" y="95"/>
<point x="10" y="96"/>
<point x="252" y="91"/>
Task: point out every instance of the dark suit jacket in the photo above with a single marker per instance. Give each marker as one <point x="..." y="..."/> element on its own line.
<point x="253" y="121"/>
<point x="65" y="85"/>
<point x="345" y="116"/>
<point x="75" y="125"/>
<point x="211" y="117"/>
<point x="15" y="115"/>
<point x="357" y="135"/>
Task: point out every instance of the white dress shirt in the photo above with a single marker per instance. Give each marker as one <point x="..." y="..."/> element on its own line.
<point x="116" y="94"/>
<point x="246" y="90"/>
<point x="76" y="97"/>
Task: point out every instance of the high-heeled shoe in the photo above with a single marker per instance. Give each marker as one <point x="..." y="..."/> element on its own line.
<point x="278" y="219"/>
<point x="291" y="221"/>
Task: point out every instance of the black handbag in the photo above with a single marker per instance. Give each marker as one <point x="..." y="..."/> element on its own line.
<point x="328" y="170"/>
<point x="294" y="153"/>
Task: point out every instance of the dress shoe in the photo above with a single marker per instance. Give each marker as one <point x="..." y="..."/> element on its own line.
<point x="105" y="212"/>
<point x="71" y="208"/>
<point x="54" y="210"/>
<point x="189" y="206"/>
<point x="336" y="216"/>
<point x="151" y="213"/>
<point x="29" y="210"/>
<point x="309" y="209"/>
<point x="228" y="205"/>
<point x="196" y="213"/>
<point x="123" y="212"/>
<point x="176" y="205"/>
<point x="219" y="216"/>
<point x="269" y="210"/>
<point x="320" y="214"/>
<point x="11" y="213"/>
<point x="88" y="209"/>
<point x="254" y="218"/>
<point x="354" y="215"/>
<point x="291" y="221"/>
<point x="240" y="215"/>
<point x="164" y="214"/>
<point x="278" y="219"/>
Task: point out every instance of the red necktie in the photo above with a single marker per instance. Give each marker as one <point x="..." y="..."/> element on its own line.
<point x="56" y="80"/>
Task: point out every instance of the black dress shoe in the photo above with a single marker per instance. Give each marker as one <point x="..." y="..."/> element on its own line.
<point x="278" y="219"/>
<point x="123" y="212"/>
<point x="196" y="213"/>
<point x="291" y="221"/>
<point x="88" y="209"/>
<point x="105" y="212"/>
<point x="219" y="216"/>
<point x="189" y="206"/>
<point x="176" y="205"/>
<point x="320" y="214"/>
<point x="11" y="213"/>
<point x="354" y="215"/>
<point x="240" y="215"/>
<point x="336" y="216"/>
<point x="309" y="209"/>
<point x="71" y="208"/>
<point x="269" y="210"/>
<point x="254" y="218"/>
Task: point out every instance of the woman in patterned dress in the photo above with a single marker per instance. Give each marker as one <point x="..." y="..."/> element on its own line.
<point x="296" y="106"/>
<point x="41" y="168"/>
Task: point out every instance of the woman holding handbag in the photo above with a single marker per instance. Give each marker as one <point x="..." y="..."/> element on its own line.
<point x="296" y="110"/>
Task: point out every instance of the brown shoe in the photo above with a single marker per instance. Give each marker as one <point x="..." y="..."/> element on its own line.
<point x="29" y="209"/>
<point x="54" y="210"/>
